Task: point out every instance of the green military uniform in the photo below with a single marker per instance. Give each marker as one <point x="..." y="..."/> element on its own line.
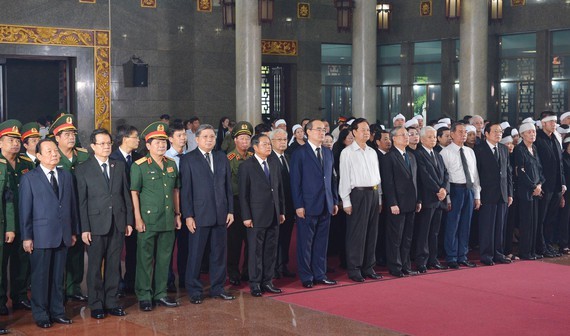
<point x="75" y="264"/>
<point x="31" y="130"/>
<point x="236" y="233"/>
<point x="155" y="186"/>
<point x="9" y="182"/>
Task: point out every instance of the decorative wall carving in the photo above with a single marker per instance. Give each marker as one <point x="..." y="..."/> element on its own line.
<point x="204" y="5"/>
<point x="279" y="47"/>
<point x="148" y="3"/>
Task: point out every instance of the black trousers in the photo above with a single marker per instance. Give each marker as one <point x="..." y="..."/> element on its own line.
<point x="48" y="268"/>
<point x="182" y="254"/>
<point x="362" y="232"/>
<point x="564" y="223"/>
<point x="262" y="245"/>
<point x="512" y="222"/>
<point x="547" y="217"/>
<point x="427" y="232"/>
<point x="19" y="272"/>
<point x="381" y="238"/>
<point x="104" y="251"/>
<point x="237" y="237"/>
<point x="399" y="231"/>
<point x="130" y="260"/>
<point x="284" y="243"/>
<point x="528" y="226"/>
<point x="491" y="228"/>
<point x="217" y="236"/>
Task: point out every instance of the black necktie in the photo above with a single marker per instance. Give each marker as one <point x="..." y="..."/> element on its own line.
<point x="496" y="153"/>
<point x="319" y="155"/>
<point x="129" y="160"/>
<point x="468" y="181"/>
<point x="407" y="160"/>
<point x="432" y="158"/>
<point x="104" y="165"/>
<point x="180" y="155"/>
<point x="266" y="171"/>
<point x="284" y="162"/>
<point x="207" y="155"/>
<point x="53" y="182"/>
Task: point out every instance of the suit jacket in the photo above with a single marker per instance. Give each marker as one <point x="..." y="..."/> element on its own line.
<point x="261" y="200"/>
<point x="101" y="203"/>
<point x="431" y="178"/>
<point x="550" y="156"/>
<point x="528" y="171"/>
<point x="286" y="178"/>
<point x="495" y="177"/>
<point x="47" y="218"/>
<point x="118" y="156"/>
<point x="399" y="183"/>
<point x="312" y="185"/>
<point x="206" y="196"/>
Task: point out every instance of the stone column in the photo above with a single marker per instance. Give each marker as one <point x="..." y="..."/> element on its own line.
<point x="364" y="60"/>
<point x="473" y="58"/>
<point x="248" y="62"/>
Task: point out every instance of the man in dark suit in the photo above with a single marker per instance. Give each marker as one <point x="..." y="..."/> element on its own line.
<point x="399" y="184"/>
<point x="127" y="139"/>
<point x="315" y="198"/>
<point x="433" y="186"/>
<point x="279" y="143"/>
<point x="105" y="209"/>
<point x="262" y="210"/>
<point x="496" y="194"/>
<point x="206" y="202"/>
<point x="48" y="224"/>
<point x="550" y="155"/>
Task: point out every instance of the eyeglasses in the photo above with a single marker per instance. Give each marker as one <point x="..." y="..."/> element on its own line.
<point x="102" y="144"/>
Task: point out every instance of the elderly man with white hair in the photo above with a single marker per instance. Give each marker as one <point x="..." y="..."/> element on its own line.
<point x="479" y="124"/>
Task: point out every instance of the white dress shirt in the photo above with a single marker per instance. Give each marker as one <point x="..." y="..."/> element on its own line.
<point x="358" y="168"/>
<point x="48" y="175"/>
<point x="173" y="154"/>
<point x="32" y="157"/>
<point x="108" y="172"/>
<point x="452" y="160"/>
<point x="211" y="158"/>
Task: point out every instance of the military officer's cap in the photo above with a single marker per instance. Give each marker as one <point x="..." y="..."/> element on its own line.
<point x="64" y="122"/>
<point x="30" y="130"/>
<point x="10" y="128"/>
<point x="156" y="130"/>
<point x="242" y="127"/>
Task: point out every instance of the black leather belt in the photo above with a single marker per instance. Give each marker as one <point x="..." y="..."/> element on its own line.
<point x="459" y="185"/>
<point x="365" y="188"/>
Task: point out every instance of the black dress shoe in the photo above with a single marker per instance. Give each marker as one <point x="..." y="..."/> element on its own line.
<point x="288" y="274"/>
<point x="3" y="331"/>
<point x="167" y="302"/>
<point x="325" y="281"/>
<point x="503" y="260"/>
<point x="397" y="274"/>
<point x="23" y="304"/>
<point x="145" y="305"/>
<point x="467" y="263"/>
<point x="453" y="265"/>
<point x="43" y="324"/>
<point x="270" y="288"/>
<point x="374" y="276"/>
<point x="527" y="257"/>
<point x="256" y="292"/>
<point x="409" y="272"/>
<point x="196" y="299"/>
<point x="224" y="296"/>
<point x="98" y="314"/>
<point x="422" y="269"/>
<point x="356" y="278"/>
<point x="235" y="281"/>
<point x="437" y="266"/>
<point x="308" y="284"/>
<point x="117" y="311"/>
<point x="549" y="254"/>
<point x="77" y="297"/>
<point x="4" y="310"/>
<point x="538" y="256"/>
<point x="488" y="262"/>
<point x="62" y="320"/>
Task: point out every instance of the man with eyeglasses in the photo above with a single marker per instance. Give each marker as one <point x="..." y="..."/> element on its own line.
<point x="65" y="133"/>
<point x="279" y="143"/>
<point x="106" y="217"/>
<point x="496" y="194"/>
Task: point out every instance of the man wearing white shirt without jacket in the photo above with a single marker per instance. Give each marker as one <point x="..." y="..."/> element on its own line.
<point x="360" y="194"/>
<point x="464" y="193"/>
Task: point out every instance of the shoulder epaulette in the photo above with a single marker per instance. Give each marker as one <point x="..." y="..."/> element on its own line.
<point x="25" y="158"/>
<point x="168" y="158"/>
<point x="3" y="161"/>
<point x="140" y="161"/>
<point x="231" y="156"/>
<point x="81" y="149"/>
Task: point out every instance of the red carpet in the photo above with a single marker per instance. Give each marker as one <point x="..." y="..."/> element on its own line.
<point x="524" y="298"/>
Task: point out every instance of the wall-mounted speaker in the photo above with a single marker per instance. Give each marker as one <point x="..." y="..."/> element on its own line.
<point x="135" y="72"/>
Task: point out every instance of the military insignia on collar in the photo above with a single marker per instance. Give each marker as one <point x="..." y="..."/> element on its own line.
<point x="170" y="170"/>
<point x="25" y="171"/>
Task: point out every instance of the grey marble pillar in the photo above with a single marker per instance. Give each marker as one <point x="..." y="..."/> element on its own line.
<point x="248" y="62"/>
<point x="364" y="60"/>
<point x="473" y="59"/>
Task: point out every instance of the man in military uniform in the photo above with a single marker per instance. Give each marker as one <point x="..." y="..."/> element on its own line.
<point x="30" y="138"/>
<point x="155" y="191"/>
<point x="17" y="165"/>
<point x="65" y="133"/>
<point x="237" y="236"/>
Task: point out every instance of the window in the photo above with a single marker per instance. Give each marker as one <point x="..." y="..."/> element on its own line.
<point x="427" y="79"/>
<point x="336" y="80"/>
<point x="389" y="96"/>
<point x="560" y="78"/>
